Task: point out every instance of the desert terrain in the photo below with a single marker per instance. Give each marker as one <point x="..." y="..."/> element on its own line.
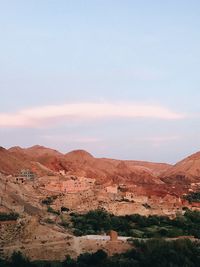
<point x="43" y="187"/>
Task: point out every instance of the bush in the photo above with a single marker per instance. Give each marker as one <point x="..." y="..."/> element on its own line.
<point x="64" y="224"/>
<point x="9" y="216"/>
<point x="49" y="200"/>
<point x="69" y="262"/>
<point x="100" y="221"/>
<point x="193" y="197"/>
<point x="156" y="253"/>
<point x="18" y="260"/>
<point x="94" y="259"/>
<point x="51" y="210"/>
<point x="64" y="209"/>
<point x="78" y="232"/>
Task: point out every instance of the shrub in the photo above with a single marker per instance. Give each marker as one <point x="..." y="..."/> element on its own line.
<point x="51" y="210"/>
<point x="193" y="197"/>
<point x="18" y="260"/>
<point x="64" y="224"/>
<point x="64" y="209"/>
<point x="49" y="200"/>
<point x="99" y="221"/>
<point x="9" y="216"/>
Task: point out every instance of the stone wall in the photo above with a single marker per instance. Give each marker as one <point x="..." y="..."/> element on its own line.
<point x="112" y="189"/>
<point x="133" y="197"/>
<point x="70" y="185"/>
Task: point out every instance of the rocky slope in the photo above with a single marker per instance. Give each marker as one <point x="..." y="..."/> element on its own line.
<point x="185" y="171"/>
<point x="10" y="162"/>
<point x="43" y="160"/>
<point x="141" y="187"/>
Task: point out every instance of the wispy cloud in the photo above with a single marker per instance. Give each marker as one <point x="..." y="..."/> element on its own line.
<point x="44" y="115"/>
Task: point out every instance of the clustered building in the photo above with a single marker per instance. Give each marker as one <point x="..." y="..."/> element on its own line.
<point x="23" y="175"/>
<point x="71" y="185"/>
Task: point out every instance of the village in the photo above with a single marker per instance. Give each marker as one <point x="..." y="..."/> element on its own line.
<point x="81" y="194"/>
<point x="44" y="205"/>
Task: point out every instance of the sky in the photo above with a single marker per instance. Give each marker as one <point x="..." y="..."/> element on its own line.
<point x="119" y="79"/>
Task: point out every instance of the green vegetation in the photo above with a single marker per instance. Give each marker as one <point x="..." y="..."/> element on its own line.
<point x="156" y="253"/>
<point x="100" y="221"/>
<point x="193" y="197"/>
<point x="8" y="216"/>
<point x="98" y="258"/>
<point x="51" y="210"/>
<point x="64" y="209"/>
<point x="49" y="200"/>
<point x="17" y="260"/>
<point x="64" y="223"/>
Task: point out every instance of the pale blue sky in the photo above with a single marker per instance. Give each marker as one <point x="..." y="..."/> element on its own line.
<point x="136" y="52"/>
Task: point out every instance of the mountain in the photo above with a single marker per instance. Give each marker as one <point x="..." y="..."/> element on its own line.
<point x="37" y="151"/>
<point x="78" y="155"/>
<point x="11" y="163"/>
<point x="104" y="168"/>
<point x="43" y="160"/>
<point x="121" y="187"/>
<point x="185" y="171"/>
<point x="38" y="159"/>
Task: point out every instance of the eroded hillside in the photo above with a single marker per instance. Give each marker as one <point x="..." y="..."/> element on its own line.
<point x="77" y="182"/>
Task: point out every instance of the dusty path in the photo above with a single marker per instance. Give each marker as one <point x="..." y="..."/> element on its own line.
<point x="76" y="245"/>
<point x="35" y="244"/>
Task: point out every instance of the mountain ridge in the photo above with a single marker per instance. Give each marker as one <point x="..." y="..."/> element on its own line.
<point x="82" y="163"/>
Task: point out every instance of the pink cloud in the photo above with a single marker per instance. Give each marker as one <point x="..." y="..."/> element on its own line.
<point x="39" y="116"/>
